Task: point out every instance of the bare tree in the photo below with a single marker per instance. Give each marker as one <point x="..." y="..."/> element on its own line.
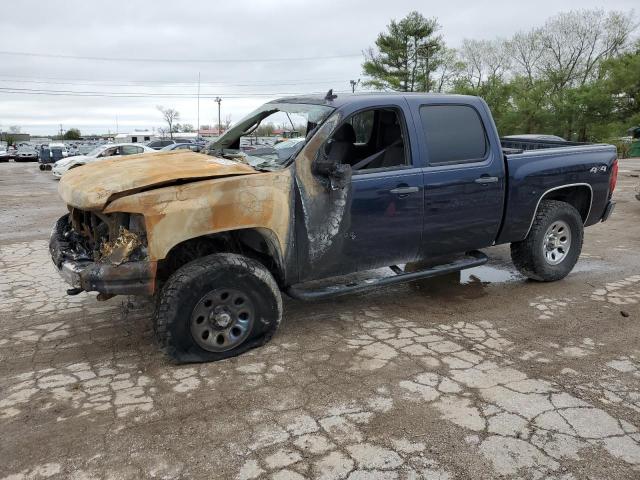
<point x="170" y="116"/>
<point x="14" y="129"/>
<point x="450" y="69"/>
<point x="484" y="60"/>
<point x="526" y="50"/>
<point x="577" y="42"/>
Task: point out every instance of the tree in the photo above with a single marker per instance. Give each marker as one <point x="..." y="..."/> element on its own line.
<point x="170" y="116"/>
<point x="72" y="134"/>
<point x="187" y="128"/>
<point x="527" y="49"/>
<point x="451" y="67"/>
<point x="484" y="60"/>
<point x="227" y="122"/>
<point x="406" y="56"/>
<point x="14" y="129"/>
<point x="576" y="42"/>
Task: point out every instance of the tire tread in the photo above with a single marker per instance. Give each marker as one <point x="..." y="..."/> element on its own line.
<point x="167" y="302"/>
<point x="523" y="253"/>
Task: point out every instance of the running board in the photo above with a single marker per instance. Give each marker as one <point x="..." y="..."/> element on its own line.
<point x="472" y="259"/>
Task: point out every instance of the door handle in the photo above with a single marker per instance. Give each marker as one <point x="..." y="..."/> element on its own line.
<point x="486" y="180"/>
<point x="404" y="190"/>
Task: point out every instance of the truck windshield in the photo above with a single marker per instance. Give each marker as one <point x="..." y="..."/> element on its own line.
<point x="270" y="135"/>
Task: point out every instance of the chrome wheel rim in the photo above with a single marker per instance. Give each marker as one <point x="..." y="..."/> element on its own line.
<point x="222" y="319"/>
<point x="557" y="242"/>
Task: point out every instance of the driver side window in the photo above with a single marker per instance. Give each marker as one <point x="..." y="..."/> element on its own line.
<point x="372" y="139"/>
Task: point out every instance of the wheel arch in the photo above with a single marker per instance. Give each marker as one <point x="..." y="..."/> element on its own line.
<point x="578" y="195"/>
<point x="258" y="243"/>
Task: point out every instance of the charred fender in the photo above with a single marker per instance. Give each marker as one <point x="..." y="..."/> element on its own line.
<point x="175" y="214"/>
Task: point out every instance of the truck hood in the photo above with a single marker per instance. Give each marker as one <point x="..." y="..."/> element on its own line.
<point x="92" y="186"/>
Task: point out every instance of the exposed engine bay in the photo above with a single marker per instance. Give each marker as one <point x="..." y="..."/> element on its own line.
<point x="107" y="238"/>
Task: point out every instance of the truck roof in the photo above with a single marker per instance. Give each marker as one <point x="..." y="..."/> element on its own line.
<point x="366" y="97"/>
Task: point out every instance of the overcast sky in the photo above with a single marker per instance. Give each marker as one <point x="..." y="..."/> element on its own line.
<point x="237" y="41"/>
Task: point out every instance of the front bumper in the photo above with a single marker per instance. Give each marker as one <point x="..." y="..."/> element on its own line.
<point x="129" y="278"/>
<point x="608" y="210"/>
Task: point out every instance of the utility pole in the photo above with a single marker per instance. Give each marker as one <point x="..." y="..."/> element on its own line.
<point x="61" y="134"/>
<point x="219" y="101"/>
<point x="354" y="84"/>
<point x="198" y="123"/>
<point x="117" y="127"/>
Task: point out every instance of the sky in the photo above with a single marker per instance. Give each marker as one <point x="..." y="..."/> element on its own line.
<point x="136" y="55"/>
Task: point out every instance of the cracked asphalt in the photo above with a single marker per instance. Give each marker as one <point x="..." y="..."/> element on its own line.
<point x="472" y="376"/>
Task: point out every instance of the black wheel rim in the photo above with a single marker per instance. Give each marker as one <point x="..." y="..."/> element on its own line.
<point x="222" y="319"/>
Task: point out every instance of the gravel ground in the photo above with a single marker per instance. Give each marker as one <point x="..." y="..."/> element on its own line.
<point x="482" y="375"/>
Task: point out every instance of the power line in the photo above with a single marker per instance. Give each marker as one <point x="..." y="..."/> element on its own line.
<point x="74" y="93"/>
<point x="177" y="60"/>
<point x="168" y="85"/>
<point x="163" y="82"/>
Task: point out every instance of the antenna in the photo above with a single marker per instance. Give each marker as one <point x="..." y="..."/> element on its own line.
<point x="330" y="96"/>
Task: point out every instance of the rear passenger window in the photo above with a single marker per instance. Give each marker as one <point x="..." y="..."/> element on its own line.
<point x="454" y="134"/>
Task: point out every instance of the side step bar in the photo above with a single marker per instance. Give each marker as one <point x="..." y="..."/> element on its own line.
<point x="472" y="259"/>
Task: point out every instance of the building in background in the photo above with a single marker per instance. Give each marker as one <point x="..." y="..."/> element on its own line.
<point x="17" y="137"/>
<point x="137" y="136"/>
<point x="209" y="132"/>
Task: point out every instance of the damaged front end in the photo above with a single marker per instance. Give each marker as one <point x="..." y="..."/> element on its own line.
<point x="102" y="253"/>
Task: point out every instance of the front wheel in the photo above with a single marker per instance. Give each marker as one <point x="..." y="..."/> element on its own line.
<point x="216" y="307"/>
<point x="553" y="244"/>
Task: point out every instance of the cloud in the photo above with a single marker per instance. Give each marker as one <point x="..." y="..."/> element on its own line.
<point x="240" y="31"/>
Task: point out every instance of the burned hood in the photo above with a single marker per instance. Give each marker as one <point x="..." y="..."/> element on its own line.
<point x="92" y="186"/>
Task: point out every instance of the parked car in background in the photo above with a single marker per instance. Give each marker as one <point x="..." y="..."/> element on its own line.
<point x="280" y="151"/>
<point x="181" y="146"/>
<point x="11" y="152"/>
<point x="536" y="136"/>
<point x="160" y="144"/>
<point x="26" y="154"/>
<point x="98" y="153"/>
<point x="4" y="155"/>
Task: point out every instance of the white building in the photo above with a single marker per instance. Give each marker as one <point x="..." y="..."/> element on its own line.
<point x="137" y="136"/>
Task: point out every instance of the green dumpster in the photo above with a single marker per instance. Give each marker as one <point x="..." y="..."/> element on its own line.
<point x="634" y="151"/>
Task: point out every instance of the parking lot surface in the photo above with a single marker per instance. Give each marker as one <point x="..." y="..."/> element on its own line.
<point x="480" y="375"/>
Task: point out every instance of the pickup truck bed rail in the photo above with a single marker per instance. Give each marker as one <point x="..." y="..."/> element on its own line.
<point x="519" y="145"/>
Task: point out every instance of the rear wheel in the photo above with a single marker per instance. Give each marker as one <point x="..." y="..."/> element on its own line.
<point x="553" y="244"/>
<point x="216" y="307"/>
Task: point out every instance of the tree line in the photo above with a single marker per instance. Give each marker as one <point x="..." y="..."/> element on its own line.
<point x="577" y="76"/>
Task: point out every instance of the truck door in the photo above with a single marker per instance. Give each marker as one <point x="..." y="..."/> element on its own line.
<point x="381" y="223"/>
<point x="387" y="191"/>
<point x="464" y="177"/>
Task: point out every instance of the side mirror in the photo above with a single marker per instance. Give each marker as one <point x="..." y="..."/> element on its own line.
<point x="328" y="165"/>
<point x="324" y="164"/>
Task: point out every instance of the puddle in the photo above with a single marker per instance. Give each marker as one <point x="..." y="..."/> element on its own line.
<point x="470" y="283"/>
<point x="487" y="274"/>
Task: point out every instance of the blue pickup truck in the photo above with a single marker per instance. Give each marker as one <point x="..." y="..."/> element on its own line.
<point x="380" y="180"/>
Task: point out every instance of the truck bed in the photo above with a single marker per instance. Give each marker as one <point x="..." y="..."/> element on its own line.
<point x="519" y="145"/>
<point x="541" y="167"/>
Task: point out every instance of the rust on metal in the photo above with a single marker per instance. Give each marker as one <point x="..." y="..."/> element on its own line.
<point x="125" y="175"/>
<point x="118" y="251"/>
<point x="180" y="212"/>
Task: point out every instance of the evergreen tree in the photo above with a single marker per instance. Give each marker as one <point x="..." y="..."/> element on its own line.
<point x="406" y="56"/>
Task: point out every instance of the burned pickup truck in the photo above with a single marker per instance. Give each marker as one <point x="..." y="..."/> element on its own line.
<point x="379" y="180"/>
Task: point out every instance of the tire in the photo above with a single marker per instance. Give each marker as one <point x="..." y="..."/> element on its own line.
<point x="213" y="287"/>
<point x="554" y="223"/>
